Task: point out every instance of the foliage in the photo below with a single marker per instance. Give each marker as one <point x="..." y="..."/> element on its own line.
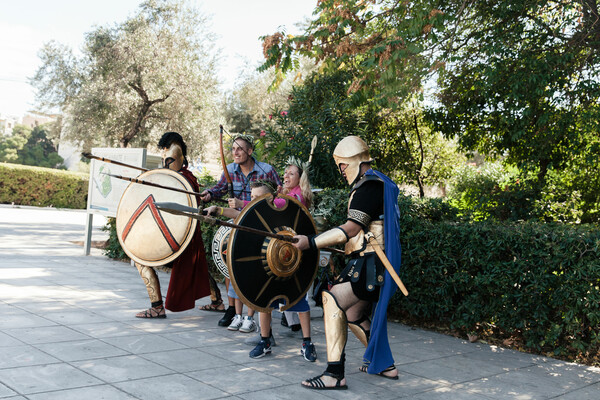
<point x="410" y="151"/>
<point x="493" y="191"/>
<point x="537" y="283"/>
<point x="402" y="144"/>
<point x="10" y="146"/>
<point x="383" y="42"/>
<point x="523" y="82"/>
<point x="319" y="107"/>
<point x="517" y="79"/>
<point x="251" y="101"/>
<point x="29" y="147"/>
<point x="152" y="73"/>
<point x="490" y="191"/>
<point x="42" y="187"/>
<point x="331" y="204"/>
<point x="113" y="247"/>
<point x="573" y="194"/>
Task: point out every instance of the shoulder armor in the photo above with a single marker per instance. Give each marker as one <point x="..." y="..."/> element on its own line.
<point x="366" y="178"/>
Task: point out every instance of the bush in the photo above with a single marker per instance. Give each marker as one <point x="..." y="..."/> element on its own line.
<point x="538" y="283"/>
<point x="493" y="191"/>
<point x="42" y="187"/>
<point x="113" y="247"/>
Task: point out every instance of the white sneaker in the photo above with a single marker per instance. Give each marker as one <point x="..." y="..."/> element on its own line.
<point x="236" y="323"/>
<point x="248" y="325"/>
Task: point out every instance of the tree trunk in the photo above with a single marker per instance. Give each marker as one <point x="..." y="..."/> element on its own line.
<point x="142" y="113"/>
<point x="421" y="159"/>
<point x="543" y="171"/>
<point x="137" y="126"/>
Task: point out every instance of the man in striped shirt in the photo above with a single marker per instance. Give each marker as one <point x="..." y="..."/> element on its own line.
<point x="243" y="170"/>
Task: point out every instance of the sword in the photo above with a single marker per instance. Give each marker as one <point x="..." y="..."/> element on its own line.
<point x="371" y="239"/>
<point x="179" y="209"/>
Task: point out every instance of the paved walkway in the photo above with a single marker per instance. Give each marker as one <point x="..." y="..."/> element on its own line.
<point x="67" y="331"/>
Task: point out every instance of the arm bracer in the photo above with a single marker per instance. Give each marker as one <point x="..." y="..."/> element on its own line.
<point x="329" y="238"/>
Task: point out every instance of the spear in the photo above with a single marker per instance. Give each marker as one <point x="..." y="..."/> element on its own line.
<point x="179" y="209"/>
<point x="107" y="160"/>
<point x="143" y="182"/>
<point x="313" y="144"/>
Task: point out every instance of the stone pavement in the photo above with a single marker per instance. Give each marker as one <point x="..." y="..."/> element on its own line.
<point x="67" y="331"/>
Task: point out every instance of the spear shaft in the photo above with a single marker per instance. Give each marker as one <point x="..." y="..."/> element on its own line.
<point x="107" y="160"/>
<point x="143" y="182"/>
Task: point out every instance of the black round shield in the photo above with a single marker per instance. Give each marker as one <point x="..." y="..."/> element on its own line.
<point x="264" y="269"/>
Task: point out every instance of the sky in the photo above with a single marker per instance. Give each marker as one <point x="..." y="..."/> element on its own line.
<point x="25" y="25"/>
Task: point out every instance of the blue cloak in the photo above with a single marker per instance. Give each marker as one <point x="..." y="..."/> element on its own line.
<point x="378" y="355"/>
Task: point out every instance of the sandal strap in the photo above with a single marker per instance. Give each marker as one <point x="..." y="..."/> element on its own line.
<point x="338" y="378"/>
<point x="152" y="312"/>
<point x="389" y="369"/>
<point x="316" y="382"/>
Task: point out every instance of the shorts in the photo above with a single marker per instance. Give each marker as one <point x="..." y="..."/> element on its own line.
<point x="301" y="306"/>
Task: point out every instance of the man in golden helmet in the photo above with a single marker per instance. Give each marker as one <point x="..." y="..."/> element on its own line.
<point x="372" y="211"/>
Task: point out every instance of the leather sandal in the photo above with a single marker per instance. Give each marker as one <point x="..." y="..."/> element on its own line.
<point x="152" y="312"/>
<point x="317" y="383"/>
<point x="216" y="306"/>
<point x="365" y="367"/>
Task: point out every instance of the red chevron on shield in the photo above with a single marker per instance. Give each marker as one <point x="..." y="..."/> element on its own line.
<point x="164" y="229"/>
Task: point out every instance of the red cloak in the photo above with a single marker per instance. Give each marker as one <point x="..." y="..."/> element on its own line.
<point x="189" y="275"/>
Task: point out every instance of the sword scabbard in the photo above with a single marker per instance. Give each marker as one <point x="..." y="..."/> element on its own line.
<point x="388" y="266"/>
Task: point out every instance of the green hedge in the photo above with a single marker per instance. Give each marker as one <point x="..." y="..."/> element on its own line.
<point x="42" y="187"/>
<point x="537" y="283"/>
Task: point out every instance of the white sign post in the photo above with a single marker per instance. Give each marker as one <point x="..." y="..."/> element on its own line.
<point x="104" y="192"/>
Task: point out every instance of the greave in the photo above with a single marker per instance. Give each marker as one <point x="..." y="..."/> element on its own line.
<point x="336" y="328"/>
<point x="359" y="332"/>
<point x="151" y="281"/>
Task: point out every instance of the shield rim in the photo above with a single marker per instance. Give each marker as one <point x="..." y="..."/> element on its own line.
<point x="219" y="244"/>
<point x="191" y="224"/>
<point x="232" y="236"/>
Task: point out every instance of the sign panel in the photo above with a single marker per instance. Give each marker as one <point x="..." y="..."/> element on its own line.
<point x="104" y="192"/>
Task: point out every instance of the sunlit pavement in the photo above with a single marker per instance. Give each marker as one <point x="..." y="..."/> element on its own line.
<point x="67" y="331"/>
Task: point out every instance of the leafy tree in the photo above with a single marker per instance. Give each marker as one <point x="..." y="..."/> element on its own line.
<point x="410" y="151"/>
<point x="247" y="107"/>
<point x="387" y="44"/>
<point x="39" y="150"/>
<point x="318" y="107"/>
<point x="29" y="147"/>
<point x="516" y="80"/>
<point x="151" y="73"/>
<point x="523" y="81"/>
<point x="10" y="146"/>
<point x="402" y="144"/>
